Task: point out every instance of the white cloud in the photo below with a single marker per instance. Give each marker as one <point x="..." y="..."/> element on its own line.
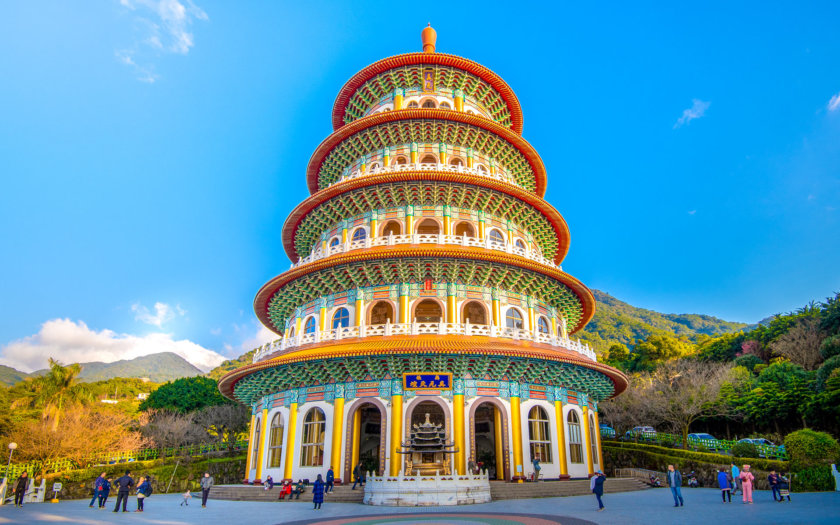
<point x="834" y="103"/>
<point x="262" y="336"/>
<point x="165" y="27"/>
<point x="74" y="342"/>
<point x="698" y="109"/>
<point x="692" y="212"/>
<point x="163" y="313"/>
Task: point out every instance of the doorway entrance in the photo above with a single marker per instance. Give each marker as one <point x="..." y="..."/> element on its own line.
<point x="367" y="443"/>
<point x="489" y="440"/>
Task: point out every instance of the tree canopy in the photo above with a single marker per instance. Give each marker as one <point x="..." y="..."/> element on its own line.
<point x="185" y="395"/>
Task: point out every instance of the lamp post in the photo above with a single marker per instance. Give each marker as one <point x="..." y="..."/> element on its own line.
<point x="12" y="447"/>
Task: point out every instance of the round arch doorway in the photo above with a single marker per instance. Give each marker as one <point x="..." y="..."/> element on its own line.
<point x="489" y="438"/>
<point x="366" y="438"/>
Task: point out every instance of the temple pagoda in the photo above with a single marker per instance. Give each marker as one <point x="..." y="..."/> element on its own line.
<point x="426" y="278"/>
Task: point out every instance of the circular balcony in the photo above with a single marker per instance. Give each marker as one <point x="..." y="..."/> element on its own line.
<point x="419" y="238"/>
<point x="479" y="171"/>
<point x="287" y="344"/>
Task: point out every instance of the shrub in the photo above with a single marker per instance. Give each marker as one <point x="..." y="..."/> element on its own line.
<point x="830" y="347"/>
<point x="744" y="450"/>
<point x="808" y="448"/>
<point x="826" y="369"/>
<point x="748" y="361"/>
<point x="701" y="457"/>
<point x="813" y="479"/>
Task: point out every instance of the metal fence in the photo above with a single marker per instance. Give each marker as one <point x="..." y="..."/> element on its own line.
<point x="720" y="446"/>
<point x="126" y="456"/>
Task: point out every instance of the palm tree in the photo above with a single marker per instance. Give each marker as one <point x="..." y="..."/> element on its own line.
<point x="55" y="390"/>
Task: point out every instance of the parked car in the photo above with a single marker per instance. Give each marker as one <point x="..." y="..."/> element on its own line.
<point x="607" y="431"/>
<point x="645" y="433"/>
<point x="766" y="448"/>
<point x="702" y="439"/>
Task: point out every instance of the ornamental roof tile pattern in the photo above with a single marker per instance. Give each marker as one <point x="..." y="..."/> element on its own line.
<point x="338" y="354"/>
<point x="413" y="263"/>
<point x="377" y="131"/>
<point x="342" y="108"/>
<point x="362" y="194"/>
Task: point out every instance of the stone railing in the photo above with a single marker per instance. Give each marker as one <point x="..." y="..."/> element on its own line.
<point x="423" y="238"/>
<point x="416" y="166"/>
<point x="410" y="329"/>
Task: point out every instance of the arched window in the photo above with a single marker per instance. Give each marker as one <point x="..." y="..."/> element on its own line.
<point x="413" y="105"/>
<point x="456" y="162"/>
<point x="391" y="228"/>
<point x="594" y="438"/>
<point x="381" y="313"/>
<point x="513" y="319"/>
<point x="429" y="104"/>
<point x="575" y="446"/>
<point x="539" y="434"/>
<point x="520" y="244"/>
<point x="374" y="166"/>
<point x="428" y="159"/>
<point x="312" y="444"/>
<point x="334" y="242"/>
<point x="255" y="450"/>
<point x="481" y="169"/>
<point x="542" y="325"/>
<point x="496" y="236"/>
<point x="428" y="311"/>
<point x="464" y="228"/>
<point x="475" y="312"/>
<point x="275" y="441"/>
<point x="428" y="227"/>
<point x="309" y="326"/>
<point x="445" y="105"/>
<point x="470" y="112"/>
<point x="359" y="235"/>
<point x="291" y="332"/>
<point x="341" y="318"/>
<point x="399" y="161"/>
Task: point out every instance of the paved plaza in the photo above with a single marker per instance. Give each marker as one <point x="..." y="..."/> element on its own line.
<point x="643" y="508"/>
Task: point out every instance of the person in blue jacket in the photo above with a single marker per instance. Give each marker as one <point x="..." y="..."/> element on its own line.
<point x="103" y="494"/>
<point x="318" y="492"/>
<point x="725" y="487"/>
<point x="144" y="490"/>
<point x="97" y="488"/>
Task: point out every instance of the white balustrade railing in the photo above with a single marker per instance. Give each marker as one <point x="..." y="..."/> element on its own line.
<point x="424" y="328"/>
<point x="426" y="238"/>
<point x="416" y="166"/>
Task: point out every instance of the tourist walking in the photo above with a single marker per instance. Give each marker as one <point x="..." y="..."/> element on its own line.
<point x="675" y="482"/>
<point x="596" y="485"/>
<point x="123" y="484"/>
<point x="747" y="484"/>
<point x="103" y="494"/>
<point x="330" y="481"/>
<point x="144" y="490"/>
<point x="736" y="478"/>
<point x="773" y="481"/>
<point x="725" y="486"/>
<point x="97" y="487"/>
<point x="784" y="488"/>
<point x="206" y="485"/>
<point x="187" y="498"/>
<point x="20" y="487"/>
<point x="357" y="476"/>
<point x="318" y="492"/>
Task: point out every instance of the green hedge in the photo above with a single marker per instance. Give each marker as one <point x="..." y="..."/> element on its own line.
<point x="702" y="457"/>
<point x="813" y="479"/>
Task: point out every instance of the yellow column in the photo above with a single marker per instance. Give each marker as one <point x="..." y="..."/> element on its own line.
<point x="363" y="165"/>
<point x="261" y="444"/>
<point x="396" y="433"/>
<point x="360" y="309"/>
<point x="598" y="437"/>
<point x="386" y="157"/>
<point x="409" y="220"/>
<point x="459" y="100"/>
<point x="250" y="447"/>
<point x="297" y="325"/>
<point x="443" y="152"/>
<point x="290" y="441"/>
<point x="323" y="245"/>
<point x="413" y="150"/>
<point x="531" y="323"/>
<point x="563" y="331"/>
<point x="403" y="304"/>
<point x="469" y="157"/>
<point x="338" y="420"/>
<point x="587" y="439"/>
<point x="561" y="437"/>
<point x="500" y="451"/>
<point x="458" y="427"/>
<point x="447" y="225"/>
<point x="373" y="228"/>
<point x="398" y="98"/>
<point x="343" y="235"/>
<point x="357" y="435"/>
<point x="497" y="313"/>
<point x="451" y="310"/>
<point x="322" y="318"/>
<point x="553" y="326"/>
<point x="516" y="429"/>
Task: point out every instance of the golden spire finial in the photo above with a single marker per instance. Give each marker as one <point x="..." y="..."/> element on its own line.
<point x="429" y="37"/>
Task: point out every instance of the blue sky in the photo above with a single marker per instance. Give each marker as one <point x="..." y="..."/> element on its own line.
<point x="151" y="150"/>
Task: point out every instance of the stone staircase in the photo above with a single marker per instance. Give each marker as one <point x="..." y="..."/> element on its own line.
<point x="341" y="494"/>
<point x="551" y="489"/>
<point x="498" y="490"/>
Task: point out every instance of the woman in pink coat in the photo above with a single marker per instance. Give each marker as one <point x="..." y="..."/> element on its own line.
<point x="747" y="483"/>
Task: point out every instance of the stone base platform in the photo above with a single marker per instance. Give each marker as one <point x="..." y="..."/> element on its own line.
<point x="426" y="491"/>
